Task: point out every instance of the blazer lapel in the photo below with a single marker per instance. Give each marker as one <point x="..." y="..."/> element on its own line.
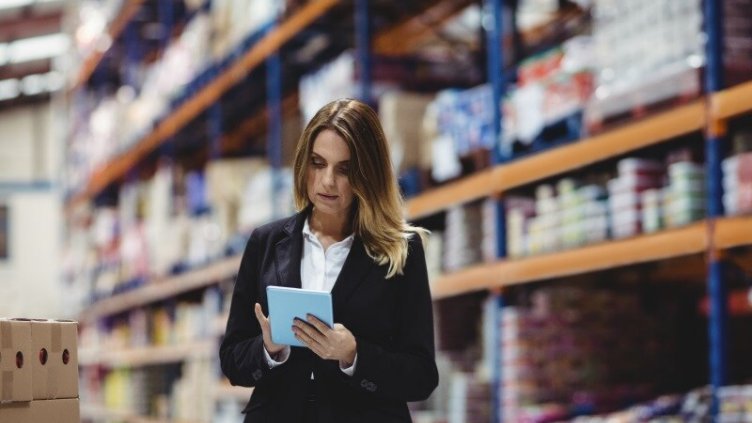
<point x="354" y="272"/>
<point x="288" y="252"/>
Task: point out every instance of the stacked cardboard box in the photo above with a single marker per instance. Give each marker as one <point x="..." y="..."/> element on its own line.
<point x="38" y="371"/>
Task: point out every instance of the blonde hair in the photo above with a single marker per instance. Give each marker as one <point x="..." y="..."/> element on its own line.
<point x="377" y="207"/>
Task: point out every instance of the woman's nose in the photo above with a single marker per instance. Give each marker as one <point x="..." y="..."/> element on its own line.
<point x="329" y="177"/>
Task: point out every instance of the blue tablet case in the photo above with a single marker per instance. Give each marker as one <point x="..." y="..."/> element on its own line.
<point x="285" y="304"/>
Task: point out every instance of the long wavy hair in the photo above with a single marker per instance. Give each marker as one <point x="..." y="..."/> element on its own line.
<point x="377" y="205"/>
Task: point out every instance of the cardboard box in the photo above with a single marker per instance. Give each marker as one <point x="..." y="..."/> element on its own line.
<point x="401" y="116"/>
<point x="55" y="359"/>
<point x="15" y="358"/>
<point x="44" y="411"/>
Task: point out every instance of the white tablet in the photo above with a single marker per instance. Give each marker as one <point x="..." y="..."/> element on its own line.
<point x="285" y="304"/>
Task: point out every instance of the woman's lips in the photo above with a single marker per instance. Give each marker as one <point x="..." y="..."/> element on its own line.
<point x="328" y="197"/>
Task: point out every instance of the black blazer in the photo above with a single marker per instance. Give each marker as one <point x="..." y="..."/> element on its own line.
<point x="391" y="320"/>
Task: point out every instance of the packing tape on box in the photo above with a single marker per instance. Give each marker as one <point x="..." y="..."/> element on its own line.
<point x="52" y="382"/>
<point x="7" y="376"/>
<point x="57" y="338"/>
<point x="7" y="385"/>
<point x="57" y="353"/>
<point x="5" y="339"/>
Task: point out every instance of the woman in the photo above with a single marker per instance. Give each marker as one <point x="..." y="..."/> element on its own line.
<point x="349" y="237"/>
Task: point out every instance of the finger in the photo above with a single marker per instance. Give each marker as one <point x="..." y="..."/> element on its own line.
<point x="260" y="314"/>
<point x="307" y="339"/>
<point x="310" y="331"/>
<point x="321" y="326"/>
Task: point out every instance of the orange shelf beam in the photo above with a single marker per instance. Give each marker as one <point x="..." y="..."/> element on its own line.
<point x="163" y="289"/>
<point x="408" y="36"/>
<point x="120" y="165"/>
<point x="670" y="243"/>
<point x="732" y="232"/>
<point x="731" y="102"/>
<point x="478" y="185"/>
<point x="255" y="125"/>
<point x="650" y="131"/>
<point x="118" y="24"/>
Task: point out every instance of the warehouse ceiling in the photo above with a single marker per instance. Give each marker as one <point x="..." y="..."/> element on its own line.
<point x="31" y="38"/>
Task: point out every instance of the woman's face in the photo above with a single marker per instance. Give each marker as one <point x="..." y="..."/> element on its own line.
<point x="328" y="184"/>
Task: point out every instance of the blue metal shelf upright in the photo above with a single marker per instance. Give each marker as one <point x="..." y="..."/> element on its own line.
<point x="714" y="150"/>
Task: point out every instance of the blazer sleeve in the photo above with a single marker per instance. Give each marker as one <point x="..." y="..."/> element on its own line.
<point x="241" y="352"/>
<point x="407" y="369"/>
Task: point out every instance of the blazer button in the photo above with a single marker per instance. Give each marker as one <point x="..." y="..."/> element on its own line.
<point x="368" y="385"/>
<point x="257" y="374"/>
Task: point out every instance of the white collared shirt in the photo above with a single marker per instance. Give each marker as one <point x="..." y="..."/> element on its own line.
<point x="319" y="270"/>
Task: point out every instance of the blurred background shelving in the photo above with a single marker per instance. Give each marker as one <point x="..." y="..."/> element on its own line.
<point x="585" y="168"/>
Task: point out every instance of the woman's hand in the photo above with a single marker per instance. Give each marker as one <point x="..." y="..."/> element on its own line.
<point x="336" y="343"/>
<point x="266" y="332"/>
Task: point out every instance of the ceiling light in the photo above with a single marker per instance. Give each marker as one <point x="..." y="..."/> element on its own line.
<point x="55" y="81"/>
<point x="3" y="54"/>
<point x="12" y="4"/>
<point x="35" y="48"/>
<point x="8" y="89"/>
<point x="33" y="84"/>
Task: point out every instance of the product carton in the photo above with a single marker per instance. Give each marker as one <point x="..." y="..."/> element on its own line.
<point x="15" y="358"/>
<point x="55" y="362"/>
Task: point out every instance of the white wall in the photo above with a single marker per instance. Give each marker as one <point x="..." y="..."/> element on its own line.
<point x="28" y="151"/>
<point x="30" y="284"/>
<point x="30" y="279"/>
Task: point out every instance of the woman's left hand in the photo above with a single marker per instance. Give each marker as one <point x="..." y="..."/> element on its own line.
<point x="336" y="343"/>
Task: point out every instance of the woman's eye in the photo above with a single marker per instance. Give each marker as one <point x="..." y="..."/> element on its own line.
<point x="343" y="170"/>
<point x="317" y="163"/>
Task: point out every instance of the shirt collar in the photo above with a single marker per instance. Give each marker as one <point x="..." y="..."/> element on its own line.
<point x="310" y="236"/>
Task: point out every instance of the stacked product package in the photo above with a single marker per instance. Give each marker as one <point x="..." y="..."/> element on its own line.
<point x="646" y="52"/>
<point x="399" y="113"/>
<point x="551" y="86"/>
<point x="684" y="196"/>
<point x="561" y="355"/>
<point x="644" y="197"/>
<point x="332" y="81"/>
<point x="735" y="406"/>
<point x="463" y="236"/>
<point x="465" y="394"/>
<point x="179" y="324"/>
<point x="737" y="39"/>
<point x="737" y="184"/>
<point x="173" y="222"/>
<point x="458" y="123"/>
<point x="635" y="176"/>
<point x="466" y="117"/>
<point x="469" y="399"/>
<point x="576" y="216"/>
<point x="39" y="366"/>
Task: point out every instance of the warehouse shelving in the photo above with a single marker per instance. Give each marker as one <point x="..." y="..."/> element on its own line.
<point x="501" y="178"/>
<point x="695" y="239"/>
<point x="255" y="56"/>
<point x="148" y="355"/>
<point x="670" y="243"/>
<point x="128" y="10"/>
<point x="89" y="411"/>
<point x="161" y="289"/>
<point x="272" y="41"/>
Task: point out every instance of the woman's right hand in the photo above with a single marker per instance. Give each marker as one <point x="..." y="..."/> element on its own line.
<point x="266" y="332"/>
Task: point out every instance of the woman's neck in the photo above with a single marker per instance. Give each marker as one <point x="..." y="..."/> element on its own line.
<point x="335" y="227"/>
